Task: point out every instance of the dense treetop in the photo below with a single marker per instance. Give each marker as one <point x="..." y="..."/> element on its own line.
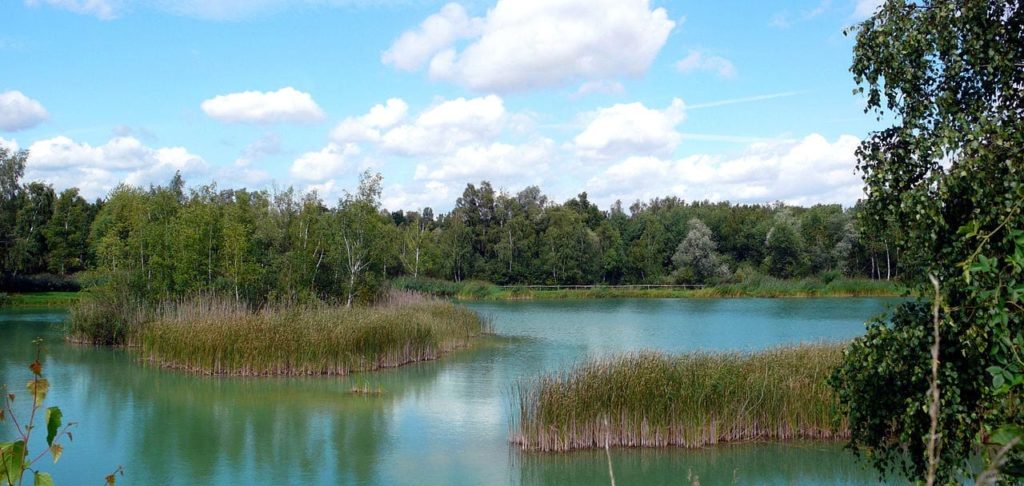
<point x="169" y="241"/>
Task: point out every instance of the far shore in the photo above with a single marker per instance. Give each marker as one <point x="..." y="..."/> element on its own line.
<point x="762" y="288"/>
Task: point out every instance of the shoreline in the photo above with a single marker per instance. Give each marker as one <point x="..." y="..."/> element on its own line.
<point x="805" y="288"/>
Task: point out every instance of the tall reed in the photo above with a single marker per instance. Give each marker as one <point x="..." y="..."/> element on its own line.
<point x="653" y="400"/>
<point x="220" y="336"/>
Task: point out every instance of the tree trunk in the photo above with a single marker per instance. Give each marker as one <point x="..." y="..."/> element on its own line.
<point x="351" y="286"/>
<point x="887" y="264"/>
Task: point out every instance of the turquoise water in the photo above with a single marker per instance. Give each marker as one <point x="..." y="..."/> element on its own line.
<point x="444" y="422"/>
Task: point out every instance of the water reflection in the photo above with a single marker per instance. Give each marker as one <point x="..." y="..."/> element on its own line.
<point x="443" y="422"/>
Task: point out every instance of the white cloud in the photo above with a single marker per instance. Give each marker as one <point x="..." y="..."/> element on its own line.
<point x="412" y="50"/>
<point x="631" y="129"/>
<point x="448" y="143"/>
<point x="525" y="44"/>
<point x="811" y="170"/>
<point x="11" y="145"/>
<point x="866" y="8"/>
<point x="281" y="106"/>
<point x="95" y="170"/>
<point x="497" y="162"/>
<point x="697" y="61"/>
<point x="367" y="128"/>
<point x="447" y="125"/>
<point x="330" y="161"/>
<point x="432" y="194"/>
<point x="102" y="9"/>
<point x="18" y="112"/>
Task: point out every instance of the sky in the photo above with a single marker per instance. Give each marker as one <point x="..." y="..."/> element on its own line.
<point x="744" y="101"/>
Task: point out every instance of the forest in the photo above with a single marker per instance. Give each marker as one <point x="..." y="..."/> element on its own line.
<point x="166" y="241"/>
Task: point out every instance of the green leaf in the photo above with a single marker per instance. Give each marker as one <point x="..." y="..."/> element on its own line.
<point x="43" y="479"/>
<point x="12" y="460"/>
<point x="1003" y="435"/>
<point x="53" y="416"/>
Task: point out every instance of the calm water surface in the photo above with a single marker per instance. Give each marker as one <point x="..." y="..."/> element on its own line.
<point x="444" y="422"/>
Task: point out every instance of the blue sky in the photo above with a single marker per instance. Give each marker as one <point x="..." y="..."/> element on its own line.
<point x="626" y="99"/>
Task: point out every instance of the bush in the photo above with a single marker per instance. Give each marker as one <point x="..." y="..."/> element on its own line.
<point x="106" y="316"/>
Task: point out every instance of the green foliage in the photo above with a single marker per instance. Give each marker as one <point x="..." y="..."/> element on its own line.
<point x="785" y="258"/>
<point x="696" y="258"/>
<point x="15" y="459"/>
<point x="108" y="315"/>
<point x="949" y="170"/>
<point x="690" y="400"/>
<point x="166" y="242"/>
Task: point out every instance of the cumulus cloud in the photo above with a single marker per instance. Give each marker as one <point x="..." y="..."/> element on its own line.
<point x="631" y="129"/>
<point x="18" y="112"/>
<point x="808" y="171"/>
<point x="866" y="8"/>
<point x="449" y="143"/>
<point x="331" y="161"/>
<point x="432" y="194"/>
<point x="367" y="128"/>
<point x="439" y="129"/>
<point x="286" y="105"/>
<point x="414" y="48"/>
<point x="496" y="161"/>
<point x="697" y="61"/>
<point x="11" y="145"/>
<point x="526" y="44"/>
<point x="101" y="9"/>
<point x="97" y="169"/>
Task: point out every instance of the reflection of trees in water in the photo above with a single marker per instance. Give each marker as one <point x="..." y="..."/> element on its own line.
<point x="779" y="463"/>
<point x="173" y="425"/>
<point x="276" y="430"/>
<point x="18" y="327"/>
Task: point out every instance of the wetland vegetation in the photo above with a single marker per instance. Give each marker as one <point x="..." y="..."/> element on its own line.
<point x="690" y="400"/>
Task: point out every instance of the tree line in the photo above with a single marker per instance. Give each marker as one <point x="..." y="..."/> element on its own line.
<point x="166" y="241"/>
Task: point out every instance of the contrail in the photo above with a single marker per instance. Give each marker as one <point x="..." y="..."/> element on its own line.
<point x="747" y="99"/>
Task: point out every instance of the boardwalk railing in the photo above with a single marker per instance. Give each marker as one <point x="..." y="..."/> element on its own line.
<point x="584" y="287"/>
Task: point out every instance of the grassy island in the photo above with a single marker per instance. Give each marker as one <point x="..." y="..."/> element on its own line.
<point x="691" y="400"/>
<point x="224" y="337"/>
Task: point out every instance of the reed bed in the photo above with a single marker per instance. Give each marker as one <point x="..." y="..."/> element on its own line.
<point x="222" y="337"/>
<point x="649" y="399"/>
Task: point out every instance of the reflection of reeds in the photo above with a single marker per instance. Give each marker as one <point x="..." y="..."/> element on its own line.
<point x="652" y="400"/>
<point x="220" y="336"/>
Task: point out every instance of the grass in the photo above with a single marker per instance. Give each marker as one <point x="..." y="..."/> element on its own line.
<point x="39" y="299"/>
<point x="693" y="400"/>
<point x="757" y="286"/>
<point x="220" y="337"/>
<point x="107" y="317"/>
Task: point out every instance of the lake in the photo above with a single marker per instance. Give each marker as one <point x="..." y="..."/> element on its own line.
<point x="443" y="422"/>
